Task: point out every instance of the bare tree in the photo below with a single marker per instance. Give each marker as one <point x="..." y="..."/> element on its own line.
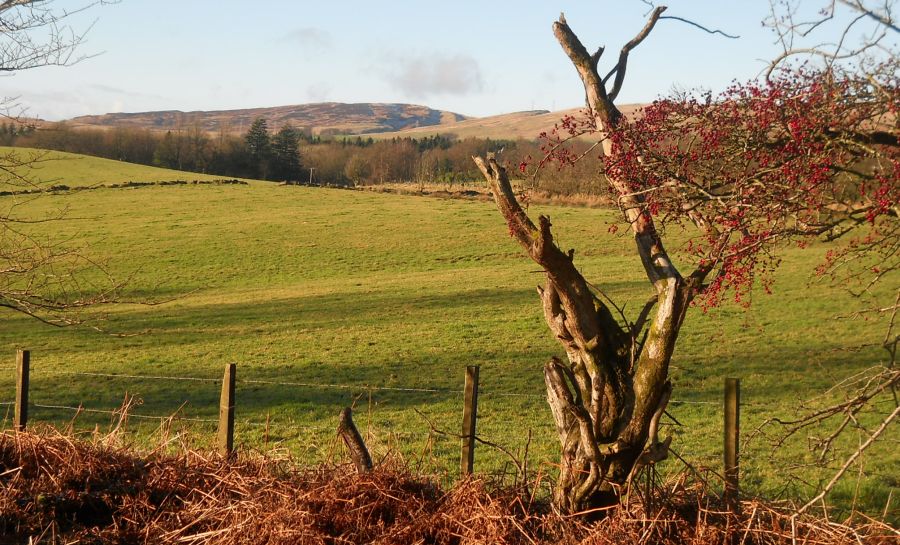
<point x="39" y="276"/>
<point x="761" y="165"/>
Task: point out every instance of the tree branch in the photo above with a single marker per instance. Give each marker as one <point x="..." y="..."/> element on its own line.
<point x="837" y="476"/>
<point x="577" y="307"/>
<point x="882" y="18"/>
<point x="701" y="27"/>
<point x="520" y="225"/>
<point x="619" y="69"/>
<point x="586" y="65"/>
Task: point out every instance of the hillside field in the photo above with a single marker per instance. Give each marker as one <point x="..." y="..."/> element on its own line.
<point x="510" y="126"/>
<point x="48" y="168"/>
<point x="379" y="300"/>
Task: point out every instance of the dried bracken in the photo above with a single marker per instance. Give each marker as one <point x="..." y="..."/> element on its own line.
<point x="55" y="489"/>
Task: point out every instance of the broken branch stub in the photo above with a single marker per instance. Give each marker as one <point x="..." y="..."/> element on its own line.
<point x="359" y="454"/>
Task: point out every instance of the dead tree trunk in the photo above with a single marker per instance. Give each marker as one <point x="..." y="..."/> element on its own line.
<point x="608" y="399"/>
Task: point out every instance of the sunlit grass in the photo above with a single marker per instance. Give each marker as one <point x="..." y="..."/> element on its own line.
<point x="60" y="168"/>
<point x="360" y="290"/>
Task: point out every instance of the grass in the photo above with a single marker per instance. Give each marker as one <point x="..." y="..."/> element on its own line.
<point x="73" y="170"/>
<point x="360" y="290"/>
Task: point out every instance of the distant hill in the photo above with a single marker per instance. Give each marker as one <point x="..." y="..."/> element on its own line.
<point x="325" y="118"/>
<point x="527" y="125"/>
<point x="335" y="118"/>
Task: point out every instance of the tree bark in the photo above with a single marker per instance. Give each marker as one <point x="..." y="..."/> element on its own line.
<point x="607" y="401"/>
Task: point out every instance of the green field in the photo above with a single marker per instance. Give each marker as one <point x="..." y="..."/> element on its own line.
<point x="366" y="298"/>
<point x="59" y="168"/>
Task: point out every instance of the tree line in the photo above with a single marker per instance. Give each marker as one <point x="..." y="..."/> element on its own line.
<point x="294" y="156"/>
<point x="256" y="154"/>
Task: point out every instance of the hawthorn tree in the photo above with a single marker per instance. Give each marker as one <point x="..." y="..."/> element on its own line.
<point x="806" y="154"/>
<point x="864" y="58"/>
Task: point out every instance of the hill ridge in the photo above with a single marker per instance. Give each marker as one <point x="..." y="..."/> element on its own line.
<point x="318" y="118"/>
<point x="375" y="119"/>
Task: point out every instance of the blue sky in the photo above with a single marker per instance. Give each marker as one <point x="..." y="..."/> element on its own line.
<point x="475" y="58"/>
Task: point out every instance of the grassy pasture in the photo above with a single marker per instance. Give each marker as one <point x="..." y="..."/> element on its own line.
<point x="57" y="167"/>
<point x="355" y="290"/>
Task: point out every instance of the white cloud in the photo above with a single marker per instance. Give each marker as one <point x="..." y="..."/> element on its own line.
<point x="118" y="91"/>
<point x="309" y="37"/>
<point x="318" y="92"/>
<point x="56" y="105"/>
<point x="425" y="76"/>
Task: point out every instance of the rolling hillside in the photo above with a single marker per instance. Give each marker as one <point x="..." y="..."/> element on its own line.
<point x="328" y="298"/>
<point x="331" y="118"/>
<point x="320" y="119"/>
<point x="527" y="125"/>
<point x="74" y="170"/>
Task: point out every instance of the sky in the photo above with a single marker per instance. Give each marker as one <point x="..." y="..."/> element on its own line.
<point x="476" y="58"/>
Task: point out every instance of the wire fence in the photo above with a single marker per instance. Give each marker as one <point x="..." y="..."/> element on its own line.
<point x="360" y="388"/>
<point x="494" y="416"/>
<point x="324" y="385"/>
<point x="119" y="412"/>
<point x="503" y="414"/>
<point x="497" y="412"/>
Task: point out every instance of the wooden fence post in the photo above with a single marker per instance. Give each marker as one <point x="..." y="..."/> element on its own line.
<point x="354" y="441"/>
<point x="470" y="415"/>
<point x="226" y="411"/>
<point x="732" y="441"/>
<point x="23" y="366"/>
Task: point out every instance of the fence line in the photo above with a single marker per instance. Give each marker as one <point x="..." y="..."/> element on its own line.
<point x="293" y="427"/>
<point x="140" y="377"/>
<point x="174" y="416"/>
<point x="351" y="386"/>
<point x="511" y="394"/>
<point x="227" y="405"/>
<point x="411" y="389"/>
<point x="119" y="412"/>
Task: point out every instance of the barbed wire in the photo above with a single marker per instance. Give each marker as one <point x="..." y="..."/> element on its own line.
<point x="275" y="423"/>
<point x="139" y="377"/>
<point x="119" y="412"/>
<point x="175" y="417"/>
<point x="510" y="394"/>
<point x="351" y="387"/>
